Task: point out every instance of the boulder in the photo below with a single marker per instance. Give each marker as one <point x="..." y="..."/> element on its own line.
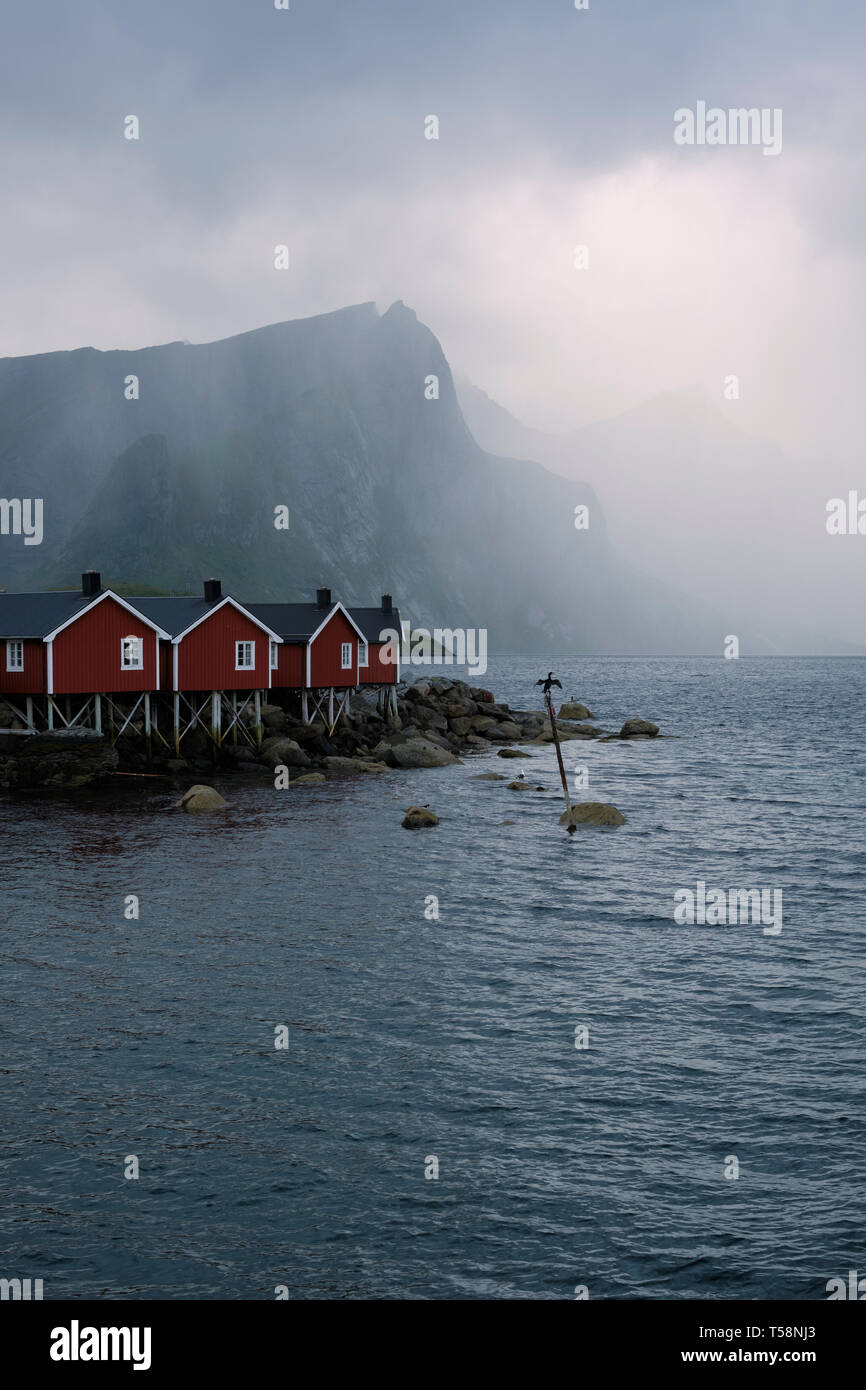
<point x="417" y="817"/>
<point x="636" y="728"/>
<point x="419" y="752"/>
<point x="177" y="765"/>
<point x="307" y="777"/>
<point x="489" y="777"/>
<point x="285" y="751"/>
<point x="592" y="813"/>
<point x="201" y="798"/>
<point x="460" y="725"/>
<point x="573" y="709"/>
<point x="347" y="767"/>
<point x="505" y="730"/>
<point x="273" y="716"/>
<point x="481" y="723"/>
<point x="430" y="718"/>
<point x="518" y="786"/>
<point x="459" y="709"/>
<point x="512" y="753"/>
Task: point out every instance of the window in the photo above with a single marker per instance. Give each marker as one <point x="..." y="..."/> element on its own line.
<point x="245" y="656"/>
<point x="131" y="654"/>
<point x="346" y="662"/>
<point x="15" y="656"/>
<point x="363" y="658"/>
<point x="275" y="656"/>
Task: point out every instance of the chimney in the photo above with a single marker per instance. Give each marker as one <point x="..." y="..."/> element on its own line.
<point x="213" y="590"/>
<point x="323" y="598"/>
<point x="91" y="583"/>
<point x="387" y="605"/>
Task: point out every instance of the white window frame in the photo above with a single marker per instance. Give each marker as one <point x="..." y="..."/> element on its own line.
<point x="14" y="649"/>
<point x="275" y="655"/>
<point x="240" y="664"/>
<point x="363" y="654"/>
<point x="138" y="663"/>
<point x="346" y="651"/>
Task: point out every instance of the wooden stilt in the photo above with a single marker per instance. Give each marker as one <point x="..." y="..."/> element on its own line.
<point x="258" y="709"/>
<point x="147" y="736"/>
<point x="97" y="713"/>
<point x="330" y="707"/>
<point x="234" y="716"/>
<point x="29" y="707"/>
<point x="216" y="709"/>
<point x="177" y="724"/>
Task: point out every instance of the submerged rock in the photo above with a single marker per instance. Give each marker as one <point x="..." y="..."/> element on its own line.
<point x="512" y="753"/>
<point x="417" y="817"/>
<point x="638" y="728"/>
<point x="592" y="813"/>
<point x="308" y="777"/>
<point x="201" y="798"/>
<point x="489" y="777"/>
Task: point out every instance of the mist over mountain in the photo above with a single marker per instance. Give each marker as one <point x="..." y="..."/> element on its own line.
<point x="701" y="505"/>
<point x="387" y="490"/>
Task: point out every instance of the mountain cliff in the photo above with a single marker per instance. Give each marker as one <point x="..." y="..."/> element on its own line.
<point x="387" y="489"/>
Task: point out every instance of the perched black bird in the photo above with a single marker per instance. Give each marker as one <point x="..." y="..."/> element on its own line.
<point x="551" y="680"/>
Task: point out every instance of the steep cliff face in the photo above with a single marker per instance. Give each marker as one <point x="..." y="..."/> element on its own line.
<point x="337" y="419"/>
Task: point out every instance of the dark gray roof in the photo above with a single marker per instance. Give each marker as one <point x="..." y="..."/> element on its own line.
<point x="35" y="615"/>
<point x="174" y="613"/>
<point x="295" y="622"/>
<point x="373" y="622"/>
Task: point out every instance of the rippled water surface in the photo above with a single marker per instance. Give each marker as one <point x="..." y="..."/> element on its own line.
<point x="455" y="1038"/>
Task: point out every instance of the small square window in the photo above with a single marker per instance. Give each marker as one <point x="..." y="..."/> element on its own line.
<point x="347" y="656"/>
<point x="131" y="654"/>
<point x="14" y="656"/>
<point x="245" y="656"/>
<point x="363" y="655"/>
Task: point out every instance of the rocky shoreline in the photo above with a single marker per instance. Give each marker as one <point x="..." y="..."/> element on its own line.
<point x="438" y="721"/>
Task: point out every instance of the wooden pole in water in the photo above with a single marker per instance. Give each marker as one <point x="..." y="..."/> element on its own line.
<point x="553" y="729"/>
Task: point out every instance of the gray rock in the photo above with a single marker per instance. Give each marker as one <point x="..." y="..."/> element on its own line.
<point x="592" y="813"/>
<point x="419" y="752"/>
<point x="460" y="725"/>
<point x="284" y="750"/>
<point x="512" y="753"/>
<point x="201" y="798"/>
<point x="636" y="727"/>
<point x="417" y="817"/>
<point x="573" y="709"/>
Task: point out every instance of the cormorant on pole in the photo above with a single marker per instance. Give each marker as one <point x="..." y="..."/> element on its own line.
<point x="551" y="714"/>
<point x="551" y="680"/>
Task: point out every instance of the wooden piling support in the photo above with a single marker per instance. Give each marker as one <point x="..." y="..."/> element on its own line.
<point x="147" y="735"/>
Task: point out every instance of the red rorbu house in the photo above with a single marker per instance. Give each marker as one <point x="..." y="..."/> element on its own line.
<point x="329" y="650"/>
<point x="210" y="658"/>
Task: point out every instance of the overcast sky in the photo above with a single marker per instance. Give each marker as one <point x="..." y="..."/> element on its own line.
<point x="306" y="127"/>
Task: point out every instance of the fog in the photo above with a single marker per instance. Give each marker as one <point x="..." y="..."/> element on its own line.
<point x="306" y="127"/>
